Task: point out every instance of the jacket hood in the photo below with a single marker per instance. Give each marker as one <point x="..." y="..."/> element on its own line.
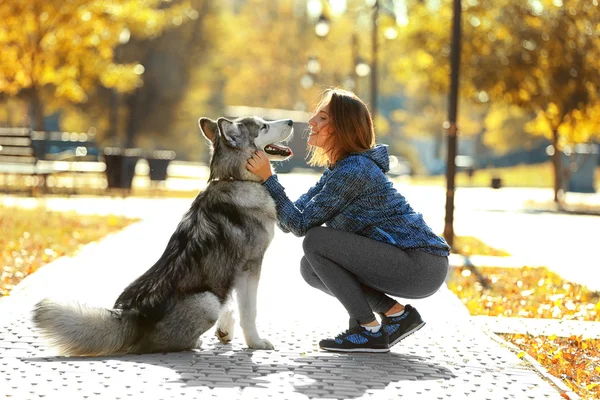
<point x="379" y="155"/>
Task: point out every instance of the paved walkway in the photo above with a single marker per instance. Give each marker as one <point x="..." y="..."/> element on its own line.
<point x="448" y="358"/>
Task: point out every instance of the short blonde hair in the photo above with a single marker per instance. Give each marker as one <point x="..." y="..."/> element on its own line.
<point x="352" y="127"/>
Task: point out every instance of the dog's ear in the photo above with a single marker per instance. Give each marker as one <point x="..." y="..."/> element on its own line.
<point x="209" y="129"/>
<point x="229" y="133"/>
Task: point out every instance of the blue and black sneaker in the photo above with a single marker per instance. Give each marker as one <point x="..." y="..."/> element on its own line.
<point x="403" y="325"/>
<point x="358" y="339"/>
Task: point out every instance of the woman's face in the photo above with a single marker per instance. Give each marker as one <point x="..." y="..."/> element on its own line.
<point x="320" y="127"/>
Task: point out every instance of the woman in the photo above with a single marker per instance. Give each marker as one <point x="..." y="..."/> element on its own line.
<point x="374" y="245"/>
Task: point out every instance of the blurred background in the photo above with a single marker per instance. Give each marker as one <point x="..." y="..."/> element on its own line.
<point x="99" y="103"/>
<point x="133" y="77"/>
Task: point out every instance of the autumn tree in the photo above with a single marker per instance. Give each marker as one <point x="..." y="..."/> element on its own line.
<point x="557" y="74"/>
<point x="265" y="47"/>
<point x="263" y="50"/>
<point x="541" y="56"/>
<point x="506" y="129"/>
<point x="56" y="53"/>
<point x="423" y="116"/>
<point x="180" y="83"/>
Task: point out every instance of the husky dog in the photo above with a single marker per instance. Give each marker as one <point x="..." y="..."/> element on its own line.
<point x="217" y="247"/>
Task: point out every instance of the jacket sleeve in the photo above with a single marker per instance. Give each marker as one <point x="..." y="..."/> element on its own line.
<point x="302" y="200"/>
<point x="340" y="189"/>
<point x="305" y="198"/>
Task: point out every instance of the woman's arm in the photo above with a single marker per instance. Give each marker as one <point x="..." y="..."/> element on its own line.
<point x="306" y="197"/>
<point x="329" y="197"/>
<point x="259" y="165"/>
<point x="339" y="189"/>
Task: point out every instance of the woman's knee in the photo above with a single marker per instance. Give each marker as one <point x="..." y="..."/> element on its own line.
<point x="311" y="277"/>
<point x="307" y="272"/>
<point x="314" y="239"/>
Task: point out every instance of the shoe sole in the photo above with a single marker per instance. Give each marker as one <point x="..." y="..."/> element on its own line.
<point x="356" y="350"/>
<point x="408" y="333"/>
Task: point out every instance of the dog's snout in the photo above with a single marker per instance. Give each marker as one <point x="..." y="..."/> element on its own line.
<point x="290" y="122"/>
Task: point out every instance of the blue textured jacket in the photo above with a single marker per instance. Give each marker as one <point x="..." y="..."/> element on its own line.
<point x="356" y="196"/>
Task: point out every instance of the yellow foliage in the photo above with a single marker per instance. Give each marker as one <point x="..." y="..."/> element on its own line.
<point x="572" y="359"/>
<point x="29" y="239"/>
<point x="532" y="55"/>
<point x="538" y="293"/>
<point x="69" y="45"/>
<point x="576" y="126"/>
<point x="505" y="128"/>
<point x="469" y="245"/>
<point x="382" y="125"/>
<point x="264" y="49"/>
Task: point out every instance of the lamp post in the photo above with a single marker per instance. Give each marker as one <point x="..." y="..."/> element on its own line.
<point x="322" y="26"/>
<point x="374" y="49"/>
<point x="450" y="125"/>
<point x="361" y="69"/>
<point x="115" y="96"/>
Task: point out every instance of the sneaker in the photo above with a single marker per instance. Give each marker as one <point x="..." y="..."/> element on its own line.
<point x="402" y="326"/>
<point x="358" y="339"/>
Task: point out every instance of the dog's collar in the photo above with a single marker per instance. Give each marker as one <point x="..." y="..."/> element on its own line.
<point x="231" y="179"/>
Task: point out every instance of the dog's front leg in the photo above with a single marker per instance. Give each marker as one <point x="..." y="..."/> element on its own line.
<point x="246" y="290"/>
<point x="226" y="322"/>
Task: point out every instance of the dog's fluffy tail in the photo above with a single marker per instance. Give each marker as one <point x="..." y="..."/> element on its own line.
<point x="78" y="330"/>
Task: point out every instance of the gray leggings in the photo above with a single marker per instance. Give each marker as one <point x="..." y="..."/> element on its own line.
<point x="359" y="271"/>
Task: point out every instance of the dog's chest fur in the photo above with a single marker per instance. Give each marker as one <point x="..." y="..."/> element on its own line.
<point x="245" y="204"/>
<point x="257" y="201"/>
<point x="254" y="196"/>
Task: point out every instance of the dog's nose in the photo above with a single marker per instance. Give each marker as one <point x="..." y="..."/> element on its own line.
<point x="290" y="122"/>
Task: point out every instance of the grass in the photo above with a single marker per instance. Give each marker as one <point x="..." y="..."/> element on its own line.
<point x="31" y="238"/>
<point x="537" y="175"/>
<point x="525" y="292"/>
<point x="469" y="246"/>
<point x="575" y="360"/>
<point x="143" y="192"/>
<point x="539" y="293"/>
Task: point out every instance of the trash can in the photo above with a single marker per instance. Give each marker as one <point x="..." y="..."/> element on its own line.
<point x="496" y="183"/>
<point x="120" y="166"/>
<point x="587" y="158"/>
<point x="158" y="163"/>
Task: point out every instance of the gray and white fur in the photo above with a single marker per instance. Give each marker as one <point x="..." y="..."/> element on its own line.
<point x="216" y="250"/>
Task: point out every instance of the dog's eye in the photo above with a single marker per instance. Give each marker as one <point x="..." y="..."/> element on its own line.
<point x="265" y="127"/>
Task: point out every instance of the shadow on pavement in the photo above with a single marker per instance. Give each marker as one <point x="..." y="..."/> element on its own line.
<point x="317" y="375"/>
<point x="351" y="375"/>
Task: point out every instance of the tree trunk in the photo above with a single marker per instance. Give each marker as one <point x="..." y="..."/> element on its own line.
<point x="113" y="117"/>
<point x="437" y="144"/>
<point x="452" y="128"/>
<point x="132" y="121"/>
<point x="37" y="112"/>
<point x="10" y="112"/>
<point x="558" y="170"/>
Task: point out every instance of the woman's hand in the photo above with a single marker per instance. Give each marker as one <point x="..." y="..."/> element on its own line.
<point x="260" y="165"/>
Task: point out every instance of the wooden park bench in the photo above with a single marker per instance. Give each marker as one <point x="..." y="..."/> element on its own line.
<point x="32" y="156"/>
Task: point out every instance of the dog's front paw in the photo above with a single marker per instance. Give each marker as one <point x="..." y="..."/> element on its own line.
<point x="224" y="331"/>
<point x="224" y="337"/>
<point x="199" y="343"/>
<point x="261" y="344"/>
